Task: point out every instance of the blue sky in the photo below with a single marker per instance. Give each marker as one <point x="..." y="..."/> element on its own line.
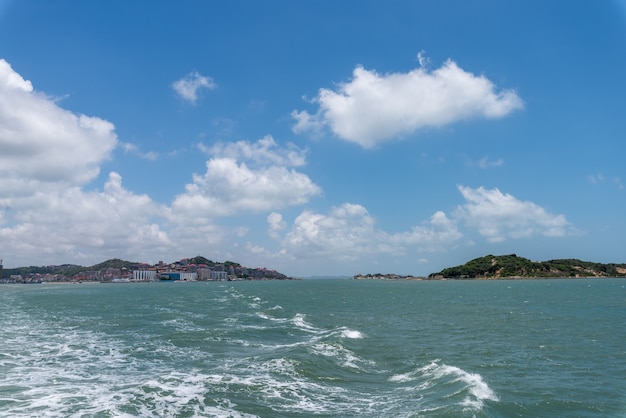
<point x="316" y="138"/>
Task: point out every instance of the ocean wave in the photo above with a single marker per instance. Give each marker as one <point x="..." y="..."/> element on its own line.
<point x="345" y="357"/>
<point x="449" y="382"/>
<point x="244" y="362"/>
<point x="299" y="321"/>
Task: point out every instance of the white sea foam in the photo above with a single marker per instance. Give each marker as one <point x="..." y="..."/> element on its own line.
<point x="348" y="333"/>
<point x="278" y="382"/>
<point x="345" y="357"/>
<point x="72" y="373"/>
<point x="449" y="383"/>
<point x="299" y="322"/>
<point x="262" y="315"/>
<point x="402" y="378"/>
<point x="478" y="389"/>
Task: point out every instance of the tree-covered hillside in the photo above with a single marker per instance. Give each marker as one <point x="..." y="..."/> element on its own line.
<point x="494" y="267"/>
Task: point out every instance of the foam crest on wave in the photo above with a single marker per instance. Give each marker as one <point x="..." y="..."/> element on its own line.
<point x="346" y="357"/>
<point x="299" y="321"/>
<point x="450" y="382"/>
<point x="352" y="334"/>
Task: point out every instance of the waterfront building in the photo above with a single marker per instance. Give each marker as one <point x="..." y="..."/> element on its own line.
<point x="218" y="275"/>
<point x="204" y="274"/>
<point x="178" y="275"/>
<point x="144" y="275"/>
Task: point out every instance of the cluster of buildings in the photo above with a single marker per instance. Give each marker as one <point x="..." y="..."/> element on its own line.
<point x="181" y="270"/>
<point x="185" y="271"/>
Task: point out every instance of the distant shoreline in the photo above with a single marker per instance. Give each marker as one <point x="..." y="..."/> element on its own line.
<point x="508" y="278"/>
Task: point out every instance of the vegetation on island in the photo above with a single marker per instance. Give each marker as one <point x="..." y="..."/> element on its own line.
<point x="512" y="266"/>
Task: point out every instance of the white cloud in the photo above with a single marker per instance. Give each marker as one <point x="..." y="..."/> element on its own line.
<point x="41" y="142"/>
<point x="62" y="224"/>
<point x="264" y="151"/>
<point x="230" y="187"/>
<point x="485" y="163"/>
<point x="373" y="108"/>
<point x="439" y="233"/>
<point x="134" y="149"/>
<point x="599" y="178"/>
<point x="423" y="60"/>
<point x="49" y="155"/>
<point x="348" y="232"/>
<point x="276" y="224"/>
<point x="499" y="216"/>
<point x="187" y="87"/>
<point x="247" y="177"/>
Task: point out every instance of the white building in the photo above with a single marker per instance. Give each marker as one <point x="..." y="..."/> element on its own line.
<point x="188" y="276"/>
<point x="144" y="275"/>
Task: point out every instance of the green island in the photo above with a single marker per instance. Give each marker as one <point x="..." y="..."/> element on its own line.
<point x="511" y="266"/>
<point x="116" y="270"/>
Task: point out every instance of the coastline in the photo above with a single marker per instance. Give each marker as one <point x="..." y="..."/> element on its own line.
<point x="469" y="279"/>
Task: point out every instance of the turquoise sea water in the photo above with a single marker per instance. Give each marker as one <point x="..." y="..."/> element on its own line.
<point x="325" y="348"/>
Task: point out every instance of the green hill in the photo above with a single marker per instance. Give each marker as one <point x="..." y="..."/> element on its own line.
<point x="68" y="271"/>
<point x="512" y="266"/>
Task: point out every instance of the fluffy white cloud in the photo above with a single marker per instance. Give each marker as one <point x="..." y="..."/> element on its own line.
<point x="498" y="216"/>
<point x="348" y="232"/>
<point x="47" y="155"/>
<point x="264" y="151"/>
<point x="246" y="177"/>
<point x="62" y="224"/>
<point x="437" y="234"/>
<point x="373" y="108"/>
<point x="41" y="142"/>
<point x="276" y="224"/>
<point x="229" y="187"/>
<point x="187" y="87"/>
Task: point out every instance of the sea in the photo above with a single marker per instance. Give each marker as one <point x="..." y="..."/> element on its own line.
<point x="315" y="348"/>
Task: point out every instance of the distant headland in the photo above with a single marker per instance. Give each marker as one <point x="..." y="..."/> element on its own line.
<point x="511" y="266"/>
<point x="119" y="271"/>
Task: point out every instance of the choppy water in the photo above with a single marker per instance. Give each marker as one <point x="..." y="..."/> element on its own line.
<point x="329" y="348"/>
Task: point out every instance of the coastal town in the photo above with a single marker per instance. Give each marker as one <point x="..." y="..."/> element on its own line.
<point x="119" y="271"/>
